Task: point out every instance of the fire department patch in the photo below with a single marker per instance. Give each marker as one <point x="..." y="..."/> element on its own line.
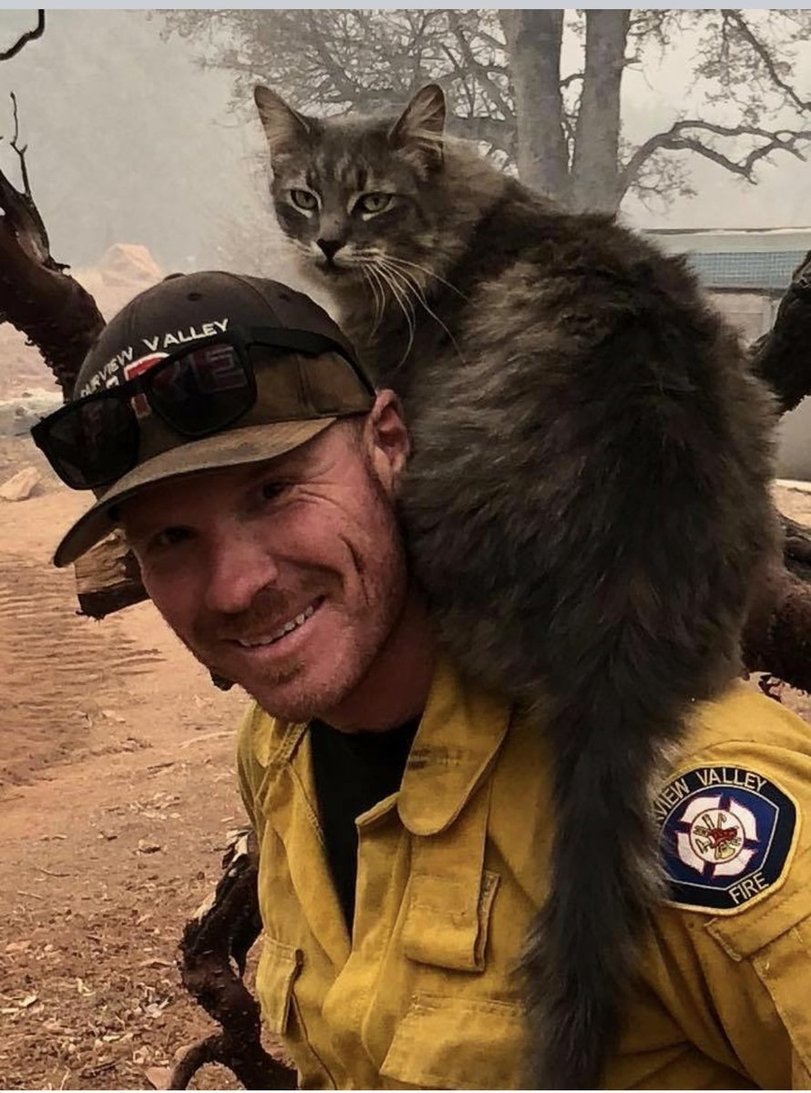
<point x="726" y="837"/>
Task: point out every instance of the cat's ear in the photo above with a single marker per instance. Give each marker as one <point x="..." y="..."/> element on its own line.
<point x="284" y="126"/>
<point x="420" y="127"/>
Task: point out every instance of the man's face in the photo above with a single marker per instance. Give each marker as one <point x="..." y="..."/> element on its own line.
<point x="285" y="577"/>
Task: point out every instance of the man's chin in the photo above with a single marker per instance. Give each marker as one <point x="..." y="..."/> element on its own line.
<point x="300" y="696"/>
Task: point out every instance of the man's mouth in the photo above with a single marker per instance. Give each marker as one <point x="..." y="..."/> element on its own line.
<point x="282" y="631"/>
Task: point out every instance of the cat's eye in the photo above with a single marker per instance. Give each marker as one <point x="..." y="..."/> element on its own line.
<point x="303" y="199"/>
<point x="374" y="203"/>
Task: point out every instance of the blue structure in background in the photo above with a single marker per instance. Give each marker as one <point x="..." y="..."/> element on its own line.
<point x="770" y="270"/>
<point x="742" y="260"/>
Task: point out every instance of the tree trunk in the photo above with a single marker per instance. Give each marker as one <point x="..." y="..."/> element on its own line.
<point x="36" y="296"/>
<point x="534" y="38"/>
<point x="594" y="184"/>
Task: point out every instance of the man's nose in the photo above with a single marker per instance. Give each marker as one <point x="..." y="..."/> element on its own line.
<point x="239" y="567"/>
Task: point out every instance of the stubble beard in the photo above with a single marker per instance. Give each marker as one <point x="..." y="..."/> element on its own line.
<point x="386" y="589"/>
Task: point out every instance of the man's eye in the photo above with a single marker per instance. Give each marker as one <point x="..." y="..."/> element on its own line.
<point x="374" y="203"/>
<point x="271" y="490"/>
<point x="303" y="199"/>
<point x="169" y="537"/>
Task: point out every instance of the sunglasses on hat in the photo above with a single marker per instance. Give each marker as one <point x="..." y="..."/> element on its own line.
<point x="197" y="391"/>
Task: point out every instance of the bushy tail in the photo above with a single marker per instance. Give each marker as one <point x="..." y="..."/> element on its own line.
<point x="579" y="959"/>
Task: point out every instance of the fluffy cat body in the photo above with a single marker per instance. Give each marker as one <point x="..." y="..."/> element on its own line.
<point x="587" y="502"/>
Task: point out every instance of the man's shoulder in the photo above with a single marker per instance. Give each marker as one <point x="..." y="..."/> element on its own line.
<point x="731" y="811"/>
<point x="744" y="713"/>
<point x="259" y="735"/>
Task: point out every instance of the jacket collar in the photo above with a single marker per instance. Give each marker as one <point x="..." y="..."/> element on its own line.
<point x="459" y="735"/>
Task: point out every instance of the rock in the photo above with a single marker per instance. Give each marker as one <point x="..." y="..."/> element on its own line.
<point x="21" y="485"/>
<point x="159" y="1077"/>
<point x="125" y="264"/>
<point x="18" y="946"/>
<point x="19" y="413"/>
<point x="147" y="847"/>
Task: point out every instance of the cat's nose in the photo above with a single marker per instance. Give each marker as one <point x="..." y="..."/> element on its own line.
<point x="330" y="247"/>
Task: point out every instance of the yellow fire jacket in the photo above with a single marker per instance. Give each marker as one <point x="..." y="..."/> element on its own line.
<point x="451" y="868"/>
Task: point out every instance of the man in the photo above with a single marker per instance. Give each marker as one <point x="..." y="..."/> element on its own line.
<point x="402" y="813"/>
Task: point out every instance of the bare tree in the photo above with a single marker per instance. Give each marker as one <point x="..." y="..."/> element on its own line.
<point x="36" y="295"/>
<point x="503" y="73"/>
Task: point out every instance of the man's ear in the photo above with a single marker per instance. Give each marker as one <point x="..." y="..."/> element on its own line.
<point x="387" y="441"/>
<point x="419" y="130"/>
<point x="284" y="126"/>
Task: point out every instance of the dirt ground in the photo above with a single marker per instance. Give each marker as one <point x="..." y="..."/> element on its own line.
<point x="117" y="790"/>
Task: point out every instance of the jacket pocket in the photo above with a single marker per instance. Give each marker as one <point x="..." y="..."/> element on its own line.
<point x="784" y="968"/>
<point x="444" y="1042"/>
<point x="775" y="939"/>
<point x="278" y="967"/>
<point x="447" y="926"/>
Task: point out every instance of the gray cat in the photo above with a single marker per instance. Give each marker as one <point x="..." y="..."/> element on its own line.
<point x="587" y="504"/>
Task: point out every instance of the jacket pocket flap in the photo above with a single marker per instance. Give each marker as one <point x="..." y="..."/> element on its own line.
<point x="279" y="965"/>
<point x="445" y="1042"/>
<point x="447" y="926"/>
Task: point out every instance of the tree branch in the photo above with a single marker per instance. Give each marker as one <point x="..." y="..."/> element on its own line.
<point x="736" y="19"/>
<point x="677" y="139"/>
<point x="21" y="155"/>
<point x="29" y="36"/>
<point x="36" y="296"/>
<point x="492" y="88"/>
<point x="337" y="74"/>
<point x="570" y="79"/>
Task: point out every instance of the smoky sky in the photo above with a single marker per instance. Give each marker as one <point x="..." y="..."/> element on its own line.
<point x="130" y="141"/>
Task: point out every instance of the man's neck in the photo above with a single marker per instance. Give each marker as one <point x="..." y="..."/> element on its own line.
<point x="395" y="688"/>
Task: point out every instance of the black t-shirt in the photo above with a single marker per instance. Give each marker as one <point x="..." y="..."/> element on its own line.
<point x="353" y="771"/>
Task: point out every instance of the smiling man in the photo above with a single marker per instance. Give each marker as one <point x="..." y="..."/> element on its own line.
<point x="403" y="814"/>
<point x="290" y="578"/>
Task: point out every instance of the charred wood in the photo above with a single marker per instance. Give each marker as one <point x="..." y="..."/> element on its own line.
<point x="37" y="297"/>
<point x="214" y="950"/>
<point x="783" y="356"/>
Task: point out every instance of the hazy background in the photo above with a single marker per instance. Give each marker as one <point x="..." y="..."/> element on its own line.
<point x="129" y="140"/>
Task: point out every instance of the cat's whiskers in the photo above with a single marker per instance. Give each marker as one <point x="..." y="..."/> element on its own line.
<point x="378" y="292"/>
<point x="428" y="273"/>
<point x="401" y="296"/>
<point x="371" y="275"/>
<point x="408" y="283"/>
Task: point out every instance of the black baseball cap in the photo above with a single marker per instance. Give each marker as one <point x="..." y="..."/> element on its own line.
<point x="314" y="380"/>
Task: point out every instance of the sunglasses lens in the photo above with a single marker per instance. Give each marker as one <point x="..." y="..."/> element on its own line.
<point x="95" y="444"/>
<point x="202" y="391"/>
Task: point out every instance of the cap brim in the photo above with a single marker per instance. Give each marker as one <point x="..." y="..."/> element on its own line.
<point x="253" y="444"/>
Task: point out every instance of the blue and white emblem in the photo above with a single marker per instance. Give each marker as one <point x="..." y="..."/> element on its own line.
<point x="727" y="835"/>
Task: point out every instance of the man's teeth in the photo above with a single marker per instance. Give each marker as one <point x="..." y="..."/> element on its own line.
<point x="288" y="626"/>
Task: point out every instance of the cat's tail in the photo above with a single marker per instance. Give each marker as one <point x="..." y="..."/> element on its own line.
<point x="581" y="953"/>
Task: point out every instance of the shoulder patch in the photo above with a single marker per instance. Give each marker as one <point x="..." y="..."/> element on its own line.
<point x="726" y="838"/>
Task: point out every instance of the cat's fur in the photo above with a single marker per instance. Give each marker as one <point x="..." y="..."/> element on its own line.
<point x="587" y="502"/>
